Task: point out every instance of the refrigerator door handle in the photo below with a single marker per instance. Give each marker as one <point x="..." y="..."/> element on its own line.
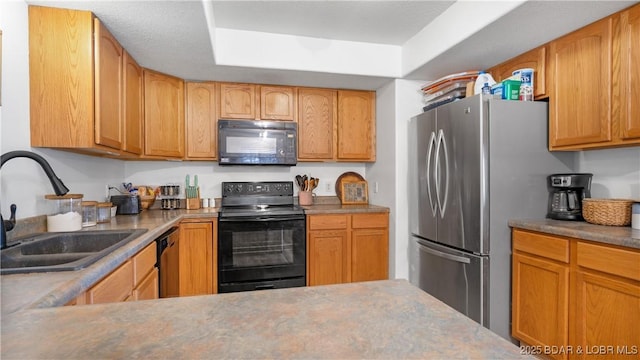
<point x="442" y="203"/>
<point x="432" y="144"/>
<point x="426" y="248"/>
<point x="443" y="142"/>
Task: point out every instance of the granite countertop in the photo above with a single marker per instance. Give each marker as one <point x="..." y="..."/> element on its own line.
<point x="332" y="205"/>
<point x="613" y="235"/>
<point x="388" y="319"/>
<point x="40" y="290"/>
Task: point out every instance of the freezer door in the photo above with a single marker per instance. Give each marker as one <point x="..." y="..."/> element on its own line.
<point x="422" y="194"/>
<point x="461" y="174"/>
<point x="455" y="278"/>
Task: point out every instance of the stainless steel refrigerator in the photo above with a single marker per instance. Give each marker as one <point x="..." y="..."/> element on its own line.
<point x="474" y="164"/>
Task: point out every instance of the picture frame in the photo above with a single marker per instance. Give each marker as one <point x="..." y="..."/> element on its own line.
<point x="355" y="192"/>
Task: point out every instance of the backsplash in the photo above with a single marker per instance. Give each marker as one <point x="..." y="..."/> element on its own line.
<point x="616" y="172"/>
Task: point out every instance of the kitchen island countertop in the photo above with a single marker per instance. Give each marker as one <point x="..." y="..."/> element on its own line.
<point x="380" y="319"/>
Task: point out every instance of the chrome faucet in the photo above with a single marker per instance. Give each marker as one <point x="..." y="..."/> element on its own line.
<point x="58" y="187"/>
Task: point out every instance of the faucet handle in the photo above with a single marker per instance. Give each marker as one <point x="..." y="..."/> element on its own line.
<point x="9" y="224"/>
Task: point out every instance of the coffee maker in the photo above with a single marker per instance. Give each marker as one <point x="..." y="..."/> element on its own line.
<point x="566" y="192"/>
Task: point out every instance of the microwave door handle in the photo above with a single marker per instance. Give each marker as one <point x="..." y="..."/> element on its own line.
<point x="460" y="259"/>
<point x="432" y="144"/>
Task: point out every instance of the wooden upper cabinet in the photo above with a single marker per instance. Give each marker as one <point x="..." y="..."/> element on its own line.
<point x="629" y="77"/>
<point x="237" y="101"/>
<point x="163" y="115"/>
<point x="109" y="60"/>
<point x="580" y="87"/>
<point x="316" y="123"/>
<point x="61" y="78"/>
<point x="278" y="103"/>
<point x="201" y="121"/>
<point x="133" y="106"/>
<point x="85" y="90"/>
<point x="534" y="59"/>
<point x="356" y="131"/>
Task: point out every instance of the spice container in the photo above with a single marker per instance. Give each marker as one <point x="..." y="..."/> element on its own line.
<point x="64" y="212"/>
<point x="104" y="212"/>
<point x="89" y="213"/>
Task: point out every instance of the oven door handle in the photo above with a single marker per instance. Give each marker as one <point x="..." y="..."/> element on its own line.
<point x="260" y="219"/>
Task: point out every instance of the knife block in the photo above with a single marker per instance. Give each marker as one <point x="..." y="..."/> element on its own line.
<point x="193" y="203"/>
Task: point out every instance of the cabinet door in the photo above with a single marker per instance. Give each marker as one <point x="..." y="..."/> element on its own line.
<point x="163" y="115"/>
<point x="370" y="247"/>
<point x="148" y="287"/>
<point x="370" y="254"/>
<point x="534" y="59"/>
<point x="201" y="120"/>
<point x="328" y="258"/>
<point x="580" y="87"/>
<point x="316" y="124"/>
<point x="630" y="74"/>
<point x="116" y="287"/>
<point x="278" y="103"/>
<point x="133" y="106"/>
<point x="356" y="125"/>
<point x="607" y="313"/>
<point x="143" y="263"/>
<point x="237" y="101"/>
<point x="61" y="82"/>
<point x="196" y="258"/>
<point x="540" y="307"/>
<point x="108" y="87"/>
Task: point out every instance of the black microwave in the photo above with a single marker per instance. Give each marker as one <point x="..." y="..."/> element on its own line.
<point x="249" y="142"/>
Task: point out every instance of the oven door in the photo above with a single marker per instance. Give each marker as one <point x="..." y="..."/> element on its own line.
<point x="254" y="249"/>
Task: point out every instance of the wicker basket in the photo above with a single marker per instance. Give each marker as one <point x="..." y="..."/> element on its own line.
<point x="613" y="212"/>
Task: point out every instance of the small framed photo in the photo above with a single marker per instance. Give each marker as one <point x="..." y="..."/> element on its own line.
<point x="355" y="192"/>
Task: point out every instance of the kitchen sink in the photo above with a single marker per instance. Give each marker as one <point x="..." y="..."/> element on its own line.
<point x="65" y="251"/>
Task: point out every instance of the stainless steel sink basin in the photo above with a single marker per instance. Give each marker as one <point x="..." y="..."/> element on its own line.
<point x="63" y="251"/>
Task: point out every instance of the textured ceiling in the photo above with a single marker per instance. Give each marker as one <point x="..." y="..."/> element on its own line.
<point x="174" y="36"/>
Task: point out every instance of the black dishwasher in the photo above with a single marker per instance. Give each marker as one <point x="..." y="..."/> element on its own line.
<point x="167" y="262"/>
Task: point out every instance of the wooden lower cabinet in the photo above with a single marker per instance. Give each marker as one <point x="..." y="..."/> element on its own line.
<point x="607" y="298"/>
<point x="136" y="279"/>
<point x="540" y="290"/>
<point x="196" y="259"/>
<point x="344" y="248"/>
<point x="574" y="299"/>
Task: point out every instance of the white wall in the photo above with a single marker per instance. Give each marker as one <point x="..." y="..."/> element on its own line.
<point x="616" y="172"/>
<point x="396" y="103"/>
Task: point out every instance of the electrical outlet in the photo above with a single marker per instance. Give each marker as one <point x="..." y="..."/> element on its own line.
<point x="327" y="186"/>
<point x="107" y="192"/>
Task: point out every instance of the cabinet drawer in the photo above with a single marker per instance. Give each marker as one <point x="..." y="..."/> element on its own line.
<point x="621" y="262"/>
<point x="551" y="247"/>
<point x="368" y="221"/>
<point x="324" y="222"/>
<point x="143" y="263"/>
<point x="116" y="287"/>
